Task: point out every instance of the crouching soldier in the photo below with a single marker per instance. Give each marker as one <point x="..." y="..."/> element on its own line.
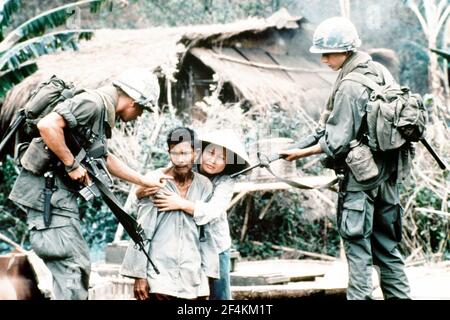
<point x="46" y="191"/>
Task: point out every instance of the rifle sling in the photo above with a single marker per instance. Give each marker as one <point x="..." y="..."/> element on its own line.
<point x="133" y="229"/>
<point x="299" y="185"/>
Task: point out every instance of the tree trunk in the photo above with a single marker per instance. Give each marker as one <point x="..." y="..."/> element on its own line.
<point x="434" y="77"/>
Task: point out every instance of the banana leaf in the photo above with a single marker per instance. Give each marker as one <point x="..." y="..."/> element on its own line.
<point x="11" y="77"/>
<point x="7" y="8"/>
<point x="38" y="25"/>
<point x="42" y="45"/>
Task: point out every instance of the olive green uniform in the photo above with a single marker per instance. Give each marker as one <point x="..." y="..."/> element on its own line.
<point x="369" y="213"/>
<point x="61" y="245"/>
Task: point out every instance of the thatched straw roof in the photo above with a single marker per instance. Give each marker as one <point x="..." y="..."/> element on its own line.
<point x="110" y="52"/>
<point x="220" y="32"/>
<point x="266" y="79"/>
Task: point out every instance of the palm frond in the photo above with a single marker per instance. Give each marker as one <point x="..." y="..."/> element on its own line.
<point x="49" y="19"/>
<point x="12" y="77"/>
<point x="7" y="8"/>
<point x="38" y="46"/>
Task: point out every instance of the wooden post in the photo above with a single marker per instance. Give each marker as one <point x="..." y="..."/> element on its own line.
<point x="266" y="207"/>
<point x="248" y="208"/>
<point x="236" y="199"/>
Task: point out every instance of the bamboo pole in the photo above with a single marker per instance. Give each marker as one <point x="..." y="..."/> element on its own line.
<point x="246" y="217"/>
<point x="266" y="208"/>
<point x="236" y="199"/>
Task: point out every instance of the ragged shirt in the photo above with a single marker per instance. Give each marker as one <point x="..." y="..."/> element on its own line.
<point x="81" y="113"/>
<point x="173" y="246"/>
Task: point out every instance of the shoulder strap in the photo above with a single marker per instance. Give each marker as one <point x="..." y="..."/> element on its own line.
<point x="364" y="80"/>
<point x="100" y="130"/>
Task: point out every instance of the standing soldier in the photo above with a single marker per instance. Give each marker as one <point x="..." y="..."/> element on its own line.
<point x="89" y="116"/>
<point x="369" y="213"/>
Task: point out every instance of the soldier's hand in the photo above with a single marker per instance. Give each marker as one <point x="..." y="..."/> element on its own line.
<point x="80" y="174"/>
<point x="141" y="289"/>
<point x="292" y="154"/>
<point x="156" y="179"/>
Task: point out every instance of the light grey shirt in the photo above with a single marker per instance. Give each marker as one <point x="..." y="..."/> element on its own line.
<point x="174" y="247"/>
<point x="214" y="211"/>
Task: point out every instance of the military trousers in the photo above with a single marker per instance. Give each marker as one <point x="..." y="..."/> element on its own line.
<point x="65" y="252"/>
<point x="370" y="224"/>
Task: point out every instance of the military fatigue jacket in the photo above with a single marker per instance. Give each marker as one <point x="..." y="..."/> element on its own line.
<point x="82" y="113"/>
<point x="174" y="247"/>
<point x="348" y="109"/>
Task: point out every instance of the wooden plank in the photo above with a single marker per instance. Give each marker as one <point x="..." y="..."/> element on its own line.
<point x="256" y="280"/>
<point x="293" y="270"/>
<point x="285" y="292"/>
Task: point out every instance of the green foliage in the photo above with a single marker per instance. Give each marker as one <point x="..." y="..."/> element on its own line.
<point x="98" y="224"/>
<point x="433" y="230"/>
<point x="427" y="198"/>
<point x="249" y="250"/>
<point x="7" y="8"/>
<point x="12" y="219"/>
<point x="283" y="225"/>
<point x="14" y="61"/>
<point x="29" y="40"/>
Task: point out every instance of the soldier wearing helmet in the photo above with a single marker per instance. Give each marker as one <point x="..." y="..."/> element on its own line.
<point x="90" y="116"/>
<point x="368" y="212"/>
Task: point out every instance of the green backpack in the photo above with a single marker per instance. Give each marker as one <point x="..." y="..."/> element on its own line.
<point x="44" y="99"/>
<point x="394" y="114"/>
<point x="40" y="103"/>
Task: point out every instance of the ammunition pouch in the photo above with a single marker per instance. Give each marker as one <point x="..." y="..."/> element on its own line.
<point x="37" y="158"/>
<point x="19" y="150"/>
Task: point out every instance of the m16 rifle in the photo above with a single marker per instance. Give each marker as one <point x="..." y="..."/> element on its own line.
<point x="310" y="140"/>
<point x="101" y="182"/>
<point x="266" y="160"/>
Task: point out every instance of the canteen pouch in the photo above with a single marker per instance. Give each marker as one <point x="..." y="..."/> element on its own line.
<point x="37" y="157"/>
<point x="360" y="161"/>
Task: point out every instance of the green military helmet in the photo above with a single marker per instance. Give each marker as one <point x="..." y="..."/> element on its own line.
<point x="337" y="34"/>
<point x="141" y="85"/>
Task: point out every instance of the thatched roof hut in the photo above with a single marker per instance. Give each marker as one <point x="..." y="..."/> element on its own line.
<point x="261" y="61"/>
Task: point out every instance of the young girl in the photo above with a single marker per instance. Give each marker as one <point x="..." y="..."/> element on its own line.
<point x="222" y="155"/>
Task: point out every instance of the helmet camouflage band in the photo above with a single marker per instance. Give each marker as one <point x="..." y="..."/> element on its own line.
<point x="141" y="85"/>
<point x="337" y="34"/>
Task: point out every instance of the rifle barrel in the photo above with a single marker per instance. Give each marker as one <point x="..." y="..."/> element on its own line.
<point x="436" y="157"/>
<point x="303" y="143"/>
<point x="245" y="170"/>
<point x="20" y="120"/>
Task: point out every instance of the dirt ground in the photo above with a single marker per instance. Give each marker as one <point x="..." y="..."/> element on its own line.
<point x="427" y="282"/>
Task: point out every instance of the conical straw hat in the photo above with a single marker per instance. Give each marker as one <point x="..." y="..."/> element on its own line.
<point x="228" y="139"/>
